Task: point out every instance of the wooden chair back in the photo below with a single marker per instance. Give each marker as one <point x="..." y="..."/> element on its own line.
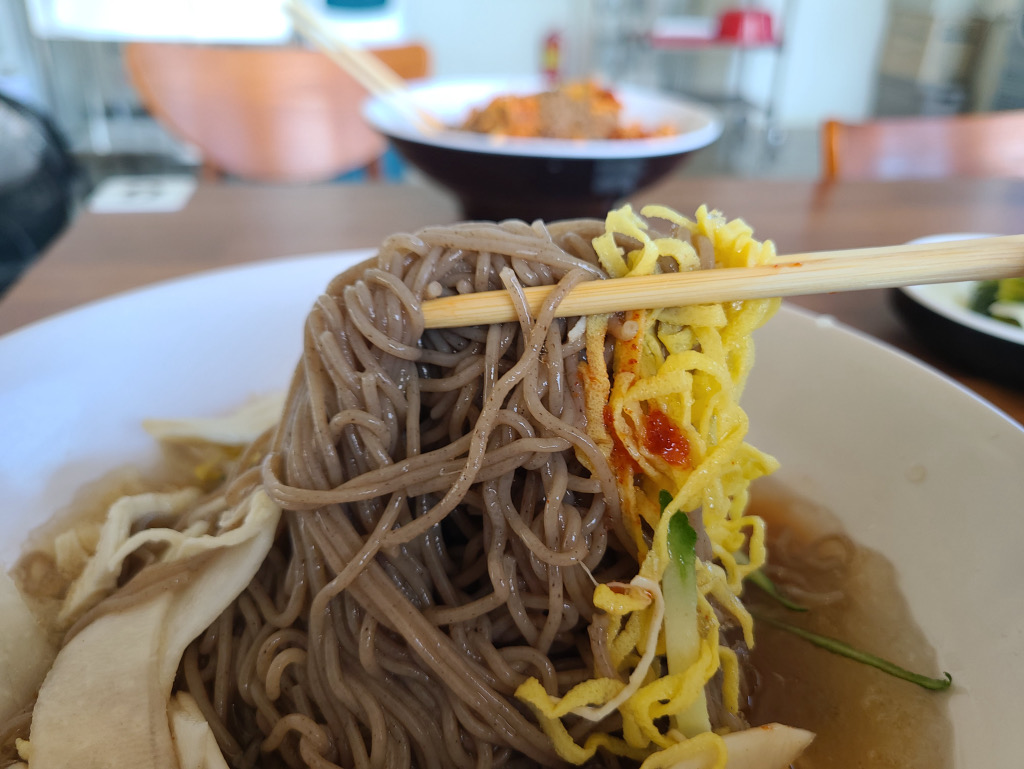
<point x="274" y="114"/>
<point x="971" y="145"/>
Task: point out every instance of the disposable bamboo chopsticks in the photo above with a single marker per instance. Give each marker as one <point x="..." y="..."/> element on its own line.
<point x="373" y="74"/>
<point x="791" y="275"/>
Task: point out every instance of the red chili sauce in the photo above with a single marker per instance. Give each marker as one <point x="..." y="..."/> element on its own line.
<point x="663" y="438"/>
<point x="621" y="460"/>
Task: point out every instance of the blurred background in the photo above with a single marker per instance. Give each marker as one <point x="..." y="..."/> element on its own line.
<point x="776" y="70"/>
<point x="776" y="81"/>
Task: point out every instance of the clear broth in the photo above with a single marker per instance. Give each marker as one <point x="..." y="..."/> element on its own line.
<point x="862" y="717"/>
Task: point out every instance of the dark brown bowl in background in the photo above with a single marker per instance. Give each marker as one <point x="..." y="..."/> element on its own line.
<point x="502" y="177"/>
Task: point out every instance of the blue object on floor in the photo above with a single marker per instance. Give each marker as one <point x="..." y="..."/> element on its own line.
<point x="356" y="4"/>
<point x="392" y="169"/>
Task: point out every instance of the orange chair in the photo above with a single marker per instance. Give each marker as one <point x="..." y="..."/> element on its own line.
<point x="273" y="114"/>
<point x="981" y="144"/>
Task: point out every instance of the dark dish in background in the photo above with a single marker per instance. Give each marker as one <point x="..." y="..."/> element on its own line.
<point x="941" y="317"/>
<point x="497" y="177"/>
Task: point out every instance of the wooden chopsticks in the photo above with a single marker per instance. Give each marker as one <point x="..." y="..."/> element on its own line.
<point x="791" y="275"/>
<point x="373" y="74"/>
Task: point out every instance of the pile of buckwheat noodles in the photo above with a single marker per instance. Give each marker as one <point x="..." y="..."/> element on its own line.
<point x="444" y="511"/>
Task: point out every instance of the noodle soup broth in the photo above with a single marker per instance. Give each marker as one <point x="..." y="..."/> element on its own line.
<point x="862" y="716"/>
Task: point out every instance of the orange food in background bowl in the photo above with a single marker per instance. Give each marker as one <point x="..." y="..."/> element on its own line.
<point x="507" y="169"/>
<point x="573" y="110"/>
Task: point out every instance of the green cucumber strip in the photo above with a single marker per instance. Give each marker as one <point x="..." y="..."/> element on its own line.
<point x="845" y="650"/>
<point x="682" y="637"/>
<point x="682" y="542"/>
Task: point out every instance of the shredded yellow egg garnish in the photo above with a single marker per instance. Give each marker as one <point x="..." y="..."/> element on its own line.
<point x="667" y="416"/>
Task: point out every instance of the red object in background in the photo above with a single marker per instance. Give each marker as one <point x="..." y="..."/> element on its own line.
<point x="745" y="26"/>
<point x="551" y="61"/>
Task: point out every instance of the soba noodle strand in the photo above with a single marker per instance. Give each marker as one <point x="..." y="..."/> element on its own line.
<point x="410" y="460"/>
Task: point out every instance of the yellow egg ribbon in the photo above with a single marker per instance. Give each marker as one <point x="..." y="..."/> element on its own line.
<point x="688" y="365"/>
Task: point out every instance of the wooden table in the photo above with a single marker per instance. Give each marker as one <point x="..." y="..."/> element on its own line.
<point x="102" y="254"/>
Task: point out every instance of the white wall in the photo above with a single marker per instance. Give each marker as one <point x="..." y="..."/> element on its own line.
<point x="830" y="61"/>
<point x="20" y="76"/>
<point x="474" y="37"/>
<point x="184" y="20"/>
<point x="827" y="68"/>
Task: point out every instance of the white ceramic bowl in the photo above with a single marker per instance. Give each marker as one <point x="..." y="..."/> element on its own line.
<point x="913" y="465"/>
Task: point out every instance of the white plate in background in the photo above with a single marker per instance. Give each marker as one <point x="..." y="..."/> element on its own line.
<point x="953" y="300"/>
<point x="451" y="101"/>
<point x="940" y="316"/>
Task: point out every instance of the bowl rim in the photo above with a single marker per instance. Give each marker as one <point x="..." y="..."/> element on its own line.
<point x="392" y="123"/>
